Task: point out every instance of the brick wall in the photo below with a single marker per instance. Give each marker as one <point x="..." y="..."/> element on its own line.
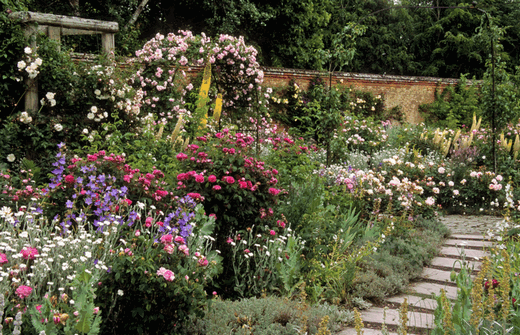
<point x="407" y="92"/>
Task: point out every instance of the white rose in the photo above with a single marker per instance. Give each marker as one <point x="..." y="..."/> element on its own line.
<point x="50" y="95"/>
<point x="90" y="116"/>
<point x="58" y="127"/>
<point x="97" y="92"/>
<point x="93" y="109"/>
<point x="85" y="131"/>
<point x="27" y="50"/>
<point x="38" y="61"/>
<point x="21" y="65"/>
<point x="11" y="158"/>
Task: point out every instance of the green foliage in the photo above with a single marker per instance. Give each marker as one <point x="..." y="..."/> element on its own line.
<point x="400" y="259"/>
<point x="455" y="106"/>
<point x="270" y="315"/>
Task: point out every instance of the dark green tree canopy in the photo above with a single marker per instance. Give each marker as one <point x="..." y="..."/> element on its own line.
<point x="400" y="38"/>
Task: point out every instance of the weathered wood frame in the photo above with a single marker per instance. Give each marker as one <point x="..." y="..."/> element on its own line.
<point x="55" y="26"/>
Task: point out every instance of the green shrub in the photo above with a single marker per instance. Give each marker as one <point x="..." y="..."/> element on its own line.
<point x="270" y="315"/>
<point x="139" y="299"/>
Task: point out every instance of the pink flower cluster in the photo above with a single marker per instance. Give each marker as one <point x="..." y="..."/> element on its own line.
<point x="169" y="244"/>
<point x="167" y="274"/>
<point x="23" y="291"/>
<point x="3" y="259"/>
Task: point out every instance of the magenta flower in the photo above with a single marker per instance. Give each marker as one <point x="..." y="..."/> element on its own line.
<point x="199" y="178"/>
<point x="3" y="259"/>
<point x="212" y="179"/>
<point x="272" y="232"/>
<point x="203" y="261"/>
<point x="29" y="253"/>
<point x="23" y="291"/>
<point x="229" y="179"/>
<point x="196" y="196"/>
<point x="180" y="239"/>
<point x="216" y="187"/>
<point x="181" y="156"/>
<point x="167" y="239"/>
<point x="274" y="191"/>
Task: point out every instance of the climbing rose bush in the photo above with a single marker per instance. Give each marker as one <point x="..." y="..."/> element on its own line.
<point x="163" y="84"/>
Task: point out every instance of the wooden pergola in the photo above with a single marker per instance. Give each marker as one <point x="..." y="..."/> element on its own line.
<point x="55" y="26"/>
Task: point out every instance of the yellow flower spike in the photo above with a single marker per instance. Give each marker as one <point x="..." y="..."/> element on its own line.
<point x="218" y="108"/>
<point x="505" y="287"/>
<point x="177" y="129"/>
<point x="516" y="146"/>
<point x="358" y="322"/>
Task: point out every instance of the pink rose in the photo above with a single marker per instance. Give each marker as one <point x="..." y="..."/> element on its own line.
<point x="229" y="179"/>
<point x="69" y="179"/>
<point x="212" y="179"/>
<point x="199" y="178"/>
<point x="167" y="239"/>
<point x="203" y="261"/>
<point x="273" y="191"/>
<point x="217" y="187"/>
<point x="169" y="275"/>
<point x="169" y="248"/>
<point x="181" y="156"/>
<point x="272" y="232"/>
<point x="183" y="248"/>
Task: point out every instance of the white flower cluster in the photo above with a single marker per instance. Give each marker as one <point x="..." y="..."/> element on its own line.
<point x="96" y="114"/>
<point x="31" y="64"/>
<point x="25" y="118"/>
<point x="50" y="98"/>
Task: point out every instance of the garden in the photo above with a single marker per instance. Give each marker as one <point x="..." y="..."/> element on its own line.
<point x="140" y="199"/>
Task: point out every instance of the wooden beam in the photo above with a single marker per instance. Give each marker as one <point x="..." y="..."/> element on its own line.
<point x="66" y="21"/>
<point x="71" y="31"/>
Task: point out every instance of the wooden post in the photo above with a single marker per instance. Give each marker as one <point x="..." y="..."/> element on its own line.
<point x="31" y="96"/>
<point x="54" y="33"/>
<point x="108" y="43"/>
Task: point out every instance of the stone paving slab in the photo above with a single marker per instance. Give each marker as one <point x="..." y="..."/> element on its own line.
<point x="366" y="331"/>
<point x="468" y="237"/>
<point x="469" y="243"/>
<point x="429" y="288"/>
<point x="470" y="224"/>
<point x="415" y="301"/>
<point x="437" y="275"/>
<point x="457" y="252"/>
<point x="450" y="263"/>
<point x="415" y="319"/>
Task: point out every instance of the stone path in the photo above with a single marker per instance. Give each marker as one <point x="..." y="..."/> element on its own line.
<point x="468" y="237"/>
